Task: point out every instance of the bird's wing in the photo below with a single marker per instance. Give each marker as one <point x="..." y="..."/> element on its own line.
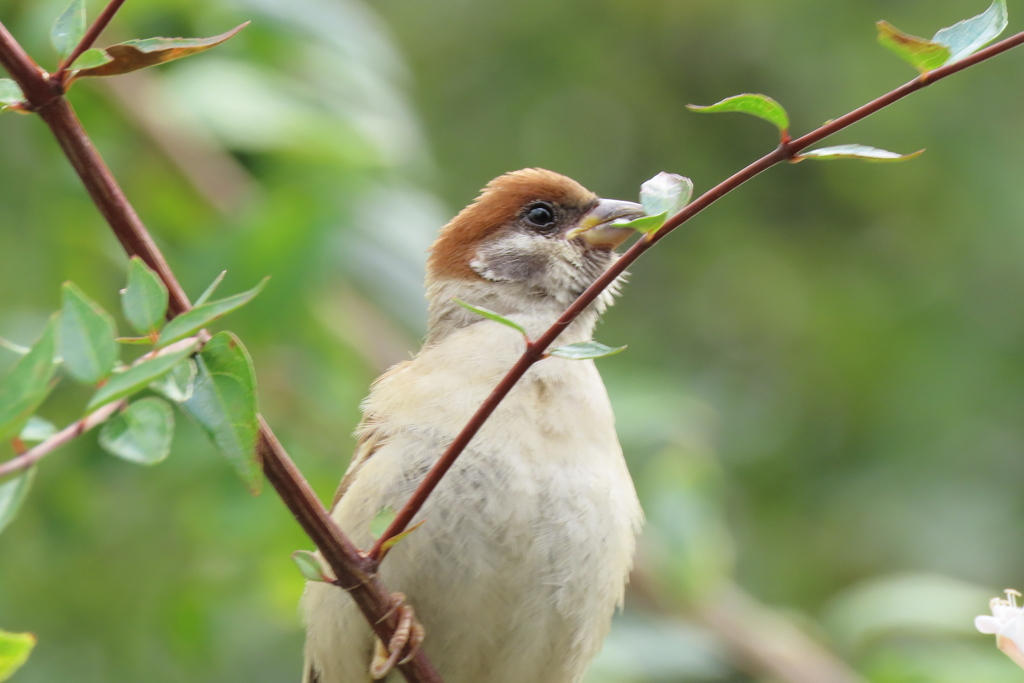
<point x="371" y="437"/>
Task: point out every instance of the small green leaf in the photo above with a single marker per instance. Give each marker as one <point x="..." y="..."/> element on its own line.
<point x="177" y="384"/>
<point x="970" y="35"/>
<point x="584" y="350"/>
<point x="139" y="376"/>
<point x="36" y="430"/>
<point x="665" y="193"/>
<point x="646" y="223"/>
<point x="144" y="299"/>
<point x="223" y="402"/>
<point x="491" y="315"/>
<point x="199" y="317"/>
<point x="14" y="651"/>
<point x="87" y="336"/>
<point x="923" y="55"/>
<point x="394" y="540"/>
<point x="141" y="433"/>
<point x="381" y="521"/>
<point x="210" y="290"/>
<point x="68" y="30"/>
<point x="754" y="104"/>
<point x="10" y="93"/>
<point x="139" y="54"/>
<point x="862" y="152"/>
<point x="12" y="495"/>
<point x="311" y="566"/>
<point x="28" y="383"/>
<point x="90" y="59"/>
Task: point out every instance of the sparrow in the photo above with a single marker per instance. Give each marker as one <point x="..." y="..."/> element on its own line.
<point x="527" y="542"/>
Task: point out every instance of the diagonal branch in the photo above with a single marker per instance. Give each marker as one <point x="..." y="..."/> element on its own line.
<point x="535" y="350"/>
<point x="354" y="571"/>
<point x="89" y="38"/>
<point x="69" y="433"/>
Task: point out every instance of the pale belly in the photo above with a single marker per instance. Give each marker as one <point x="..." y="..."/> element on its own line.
<point x="515" y="573"/>
<point x="526" y="543"/>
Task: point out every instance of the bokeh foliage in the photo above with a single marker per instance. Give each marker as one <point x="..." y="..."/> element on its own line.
<point x="822" y="395"/>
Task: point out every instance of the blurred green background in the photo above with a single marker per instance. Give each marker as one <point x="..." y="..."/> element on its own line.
<point x="823" y="395"/>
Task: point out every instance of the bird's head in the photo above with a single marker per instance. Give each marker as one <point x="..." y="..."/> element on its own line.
<point x="533" y="238"/>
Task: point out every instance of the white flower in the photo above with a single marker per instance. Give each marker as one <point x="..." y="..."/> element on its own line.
<point x="1007" y="623"/>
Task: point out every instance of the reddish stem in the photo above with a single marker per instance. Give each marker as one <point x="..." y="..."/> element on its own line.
<point x="89" y="38"/>
<point x="535" y="351"/>
<point x="353" y="570"/>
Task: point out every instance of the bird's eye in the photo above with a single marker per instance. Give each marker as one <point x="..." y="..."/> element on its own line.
<point x="541" y="214"/>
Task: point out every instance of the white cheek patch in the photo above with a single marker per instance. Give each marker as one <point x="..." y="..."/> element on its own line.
<point x="515" y="257"/>
<point x="552" y="266"/>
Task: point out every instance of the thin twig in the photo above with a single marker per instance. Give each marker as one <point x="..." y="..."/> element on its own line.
<point x="91" y="420"/>
<point x="535" y="350"/>
<point x="69" y="433"/>
<point x="89" y="38"/>
<point x="348" y="564"/>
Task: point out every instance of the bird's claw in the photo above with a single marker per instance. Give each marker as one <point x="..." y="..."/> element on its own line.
<point x="408" y="637"/>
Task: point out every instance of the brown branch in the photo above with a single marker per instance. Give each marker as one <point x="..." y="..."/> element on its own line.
<point x="69" y="433"/>
<point x="93" y="419"/>
<point x="535" y="350"/>
<point x="89" y="38"/>
<point x="355" y="572"/>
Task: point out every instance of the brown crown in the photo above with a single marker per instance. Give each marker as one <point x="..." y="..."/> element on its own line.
<point x="499" y="204"/>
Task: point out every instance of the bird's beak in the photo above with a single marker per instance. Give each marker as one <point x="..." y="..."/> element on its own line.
<point x="600" y="228"/>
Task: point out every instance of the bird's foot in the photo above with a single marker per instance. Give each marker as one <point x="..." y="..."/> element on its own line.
<point x="407" y="638"/>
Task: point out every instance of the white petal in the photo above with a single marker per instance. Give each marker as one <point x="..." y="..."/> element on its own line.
<point x="1004" y="612"/>
<point x="987" y="624"/>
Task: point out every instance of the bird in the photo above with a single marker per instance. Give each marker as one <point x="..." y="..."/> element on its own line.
<point x="527" y="543"/>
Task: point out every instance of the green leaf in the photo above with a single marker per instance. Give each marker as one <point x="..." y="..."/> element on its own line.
<point x="139" y="54"/>
<point x="14" y="651"/>
<point x="754" y="104"/>
<point x="10" y="93"/>
<point x="199" y="317"/>
<point x="923" y="55"/>
<point x="584" y="350"/>
<point x="141" y="433"/>
<point x="144" y="299"/>
<point x="381" y="521"/>
<point x="223" y="402"/>
<point x="311" y="566"/>
<point x="138" y="377"/>
<point x="37" y="429"/>
<point x="177" y="385"/>
<point x="665" y="193"/>
<point x="970" y="35"/>
<point x="88" y="338"/>
<point x="12" y="495"/>
<point x="394" y="540"/>
<point x="90" y="59"/>
<point x="69" y="29"/>
<point x="646" y="223"/>
<point x="491" y="315"/>
<point x="28" y="384"/>
<point x="862" y="152"/>
<point x="211" y="289"/>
